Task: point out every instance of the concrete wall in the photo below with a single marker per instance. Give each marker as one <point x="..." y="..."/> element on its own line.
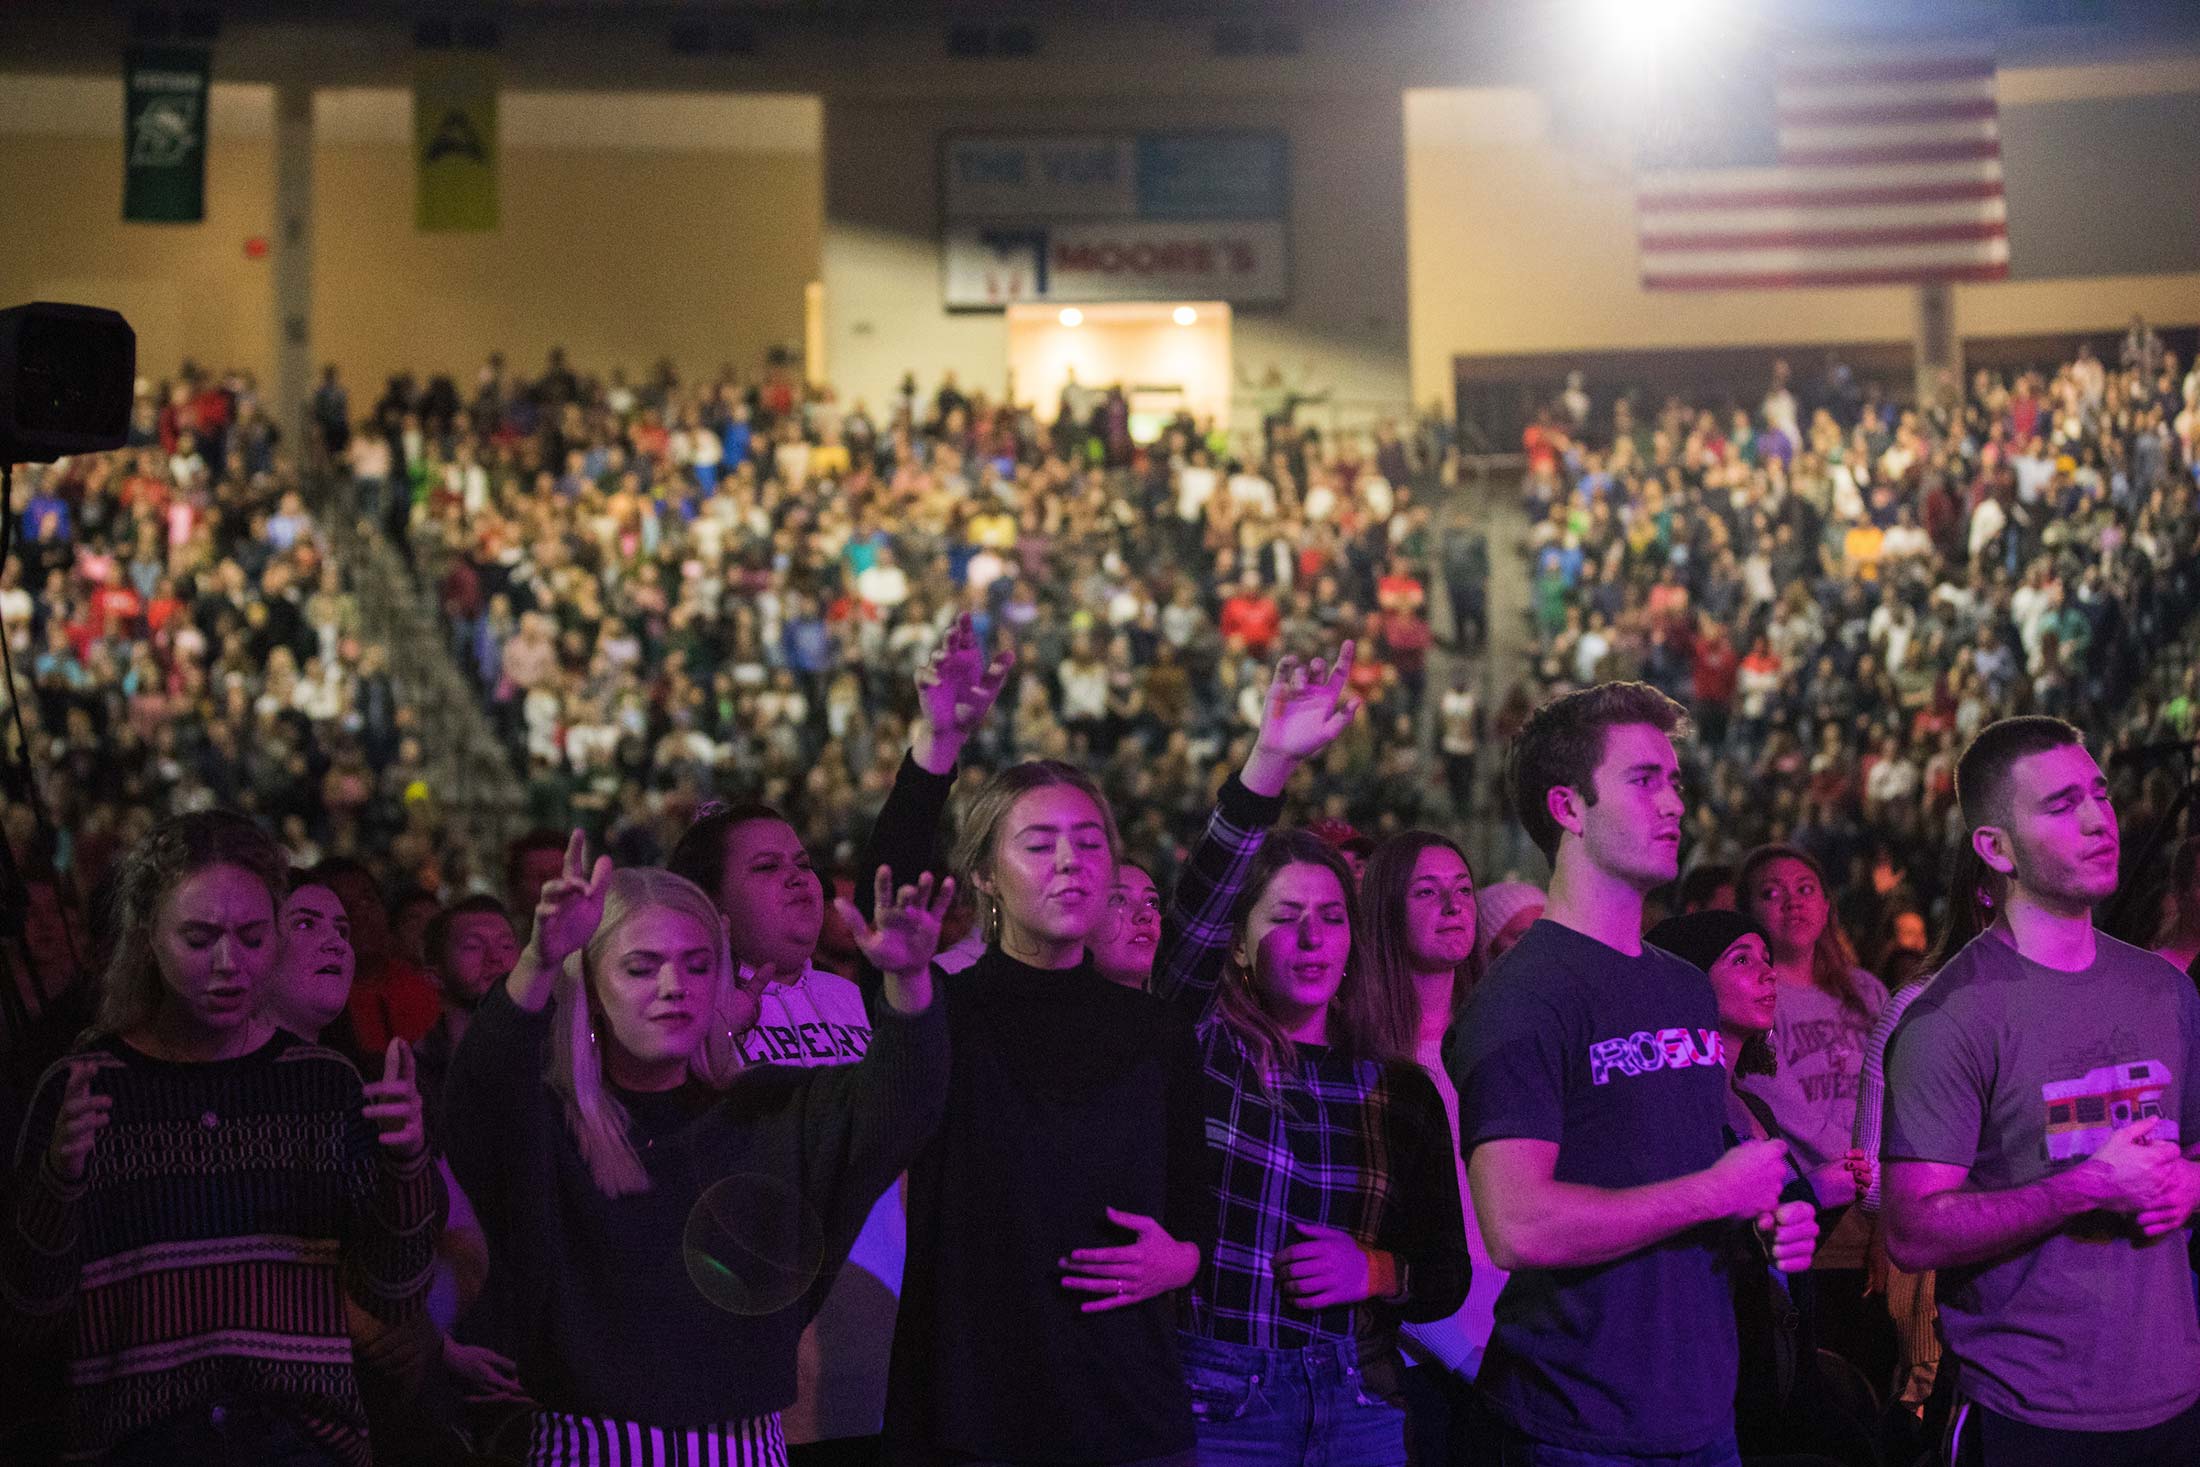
<point x="1343" y="331"/>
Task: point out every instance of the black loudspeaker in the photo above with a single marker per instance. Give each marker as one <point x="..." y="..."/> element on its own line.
<point x="66" y="376"/>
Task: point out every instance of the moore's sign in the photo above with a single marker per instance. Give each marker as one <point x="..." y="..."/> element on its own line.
<point x="1114" y="217"/>
<point x="1240" y="261"/>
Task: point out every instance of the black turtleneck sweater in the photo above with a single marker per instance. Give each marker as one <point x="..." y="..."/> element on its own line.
<point x="1067" y="1095"/>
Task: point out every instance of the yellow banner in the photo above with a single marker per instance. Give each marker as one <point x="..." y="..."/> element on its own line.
<point x="455" y="142"/>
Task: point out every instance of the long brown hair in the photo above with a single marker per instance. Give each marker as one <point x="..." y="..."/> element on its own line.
<point x="1833" y="957"/>
<point x="130" y="990"/>
<point x="1355" y="1025"/>
<point x="1380" y="941"/>
<point x="979" y="830"/>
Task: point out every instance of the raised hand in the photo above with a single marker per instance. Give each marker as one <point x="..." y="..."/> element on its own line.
<point x="1307" y="709"/>
<point x="956" y="689"/>
<point x="571" y="906"/>
<point x="904" y="930"/>
<point x="393" y="1104"/>
<point x="1131" y="1273"/>
<point x="83" y="1115"/>
<point x="1326" y="1268"/>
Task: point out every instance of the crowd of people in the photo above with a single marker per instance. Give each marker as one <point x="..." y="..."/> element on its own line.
<point x="1315" y="1158"/>
<point x="669" y="591"/>
<point x="1844" y="590"/>
<point x="995" y="978"/>
<point x="182" y="637"/>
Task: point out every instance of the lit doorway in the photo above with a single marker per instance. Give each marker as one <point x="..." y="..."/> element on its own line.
<point x="1168" y="357"/>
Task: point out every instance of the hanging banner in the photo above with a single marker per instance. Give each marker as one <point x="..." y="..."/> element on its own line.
<point x="164" y="94"/>
<point x="455" y="143"/>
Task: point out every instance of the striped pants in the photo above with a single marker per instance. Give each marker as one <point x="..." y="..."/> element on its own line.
<point x="559" y="1440"/>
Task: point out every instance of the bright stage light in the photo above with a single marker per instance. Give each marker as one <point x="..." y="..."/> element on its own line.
<point x="1071" y="316"/>
<point x="1642" y="32"/>
<point x="1185" y="316"/>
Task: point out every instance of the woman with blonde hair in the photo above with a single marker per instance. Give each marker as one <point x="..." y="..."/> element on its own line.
<point x="658" y="1218"/>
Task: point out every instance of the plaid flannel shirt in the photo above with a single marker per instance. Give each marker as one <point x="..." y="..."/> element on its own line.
<point x="1317" y="1147"/>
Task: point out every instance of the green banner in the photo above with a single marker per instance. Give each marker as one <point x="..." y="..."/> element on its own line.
<point x="455" y="143"/>
<point x="164" y="135"/>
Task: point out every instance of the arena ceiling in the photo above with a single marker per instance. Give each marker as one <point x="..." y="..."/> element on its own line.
<point x="1024" y="50"/>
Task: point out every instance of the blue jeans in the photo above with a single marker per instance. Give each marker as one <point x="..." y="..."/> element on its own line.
<point x="1515" y="1450"/>
<point x="1311" y="1407"/>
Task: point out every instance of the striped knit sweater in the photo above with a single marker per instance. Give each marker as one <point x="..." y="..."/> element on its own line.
<point x="227" y="1210"/>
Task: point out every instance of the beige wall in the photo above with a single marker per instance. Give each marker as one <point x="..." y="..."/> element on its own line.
<point x="188" y="289"/>
<point x="1343" y="331"/>
<point x="1521" y="239"/>
<point x="632" y="229"/>
<point x="619" y="257"/>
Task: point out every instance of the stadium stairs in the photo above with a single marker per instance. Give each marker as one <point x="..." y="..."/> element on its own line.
<point x="470" y="774"/>
<point x="1486" y="498"/>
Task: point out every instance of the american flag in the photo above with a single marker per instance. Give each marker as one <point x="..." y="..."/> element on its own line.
<point x="1879" y="167"/>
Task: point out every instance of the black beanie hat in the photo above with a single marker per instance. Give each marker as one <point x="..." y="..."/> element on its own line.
<point x="1700" y="937"/>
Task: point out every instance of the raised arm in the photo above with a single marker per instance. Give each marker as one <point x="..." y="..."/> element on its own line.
<point x="389" y="1255"/>
<point x="955" y="691"/>
<point x="864" y="1123"/>
<point x="570" y="909"/>
<point x="1307" y="709"/>
<point x="494" y="1087"/>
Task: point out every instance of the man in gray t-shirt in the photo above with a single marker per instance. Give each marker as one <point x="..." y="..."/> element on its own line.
<point x="2039" y="1096"/>
<point x="2016" y="1072"/>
